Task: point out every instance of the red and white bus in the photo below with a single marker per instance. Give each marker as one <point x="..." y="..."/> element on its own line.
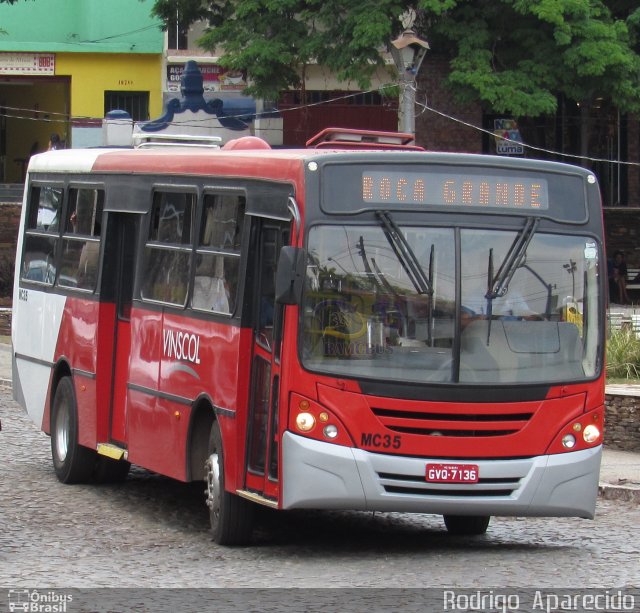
<point x="356" y="325"/>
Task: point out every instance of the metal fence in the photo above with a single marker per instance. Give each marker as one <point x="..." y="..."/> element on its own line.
<point x="624" y="318"/>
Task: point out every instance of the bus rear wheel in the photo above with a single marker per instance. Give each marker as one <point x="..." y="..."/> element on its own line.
<point x="231" y="516"/>
<point x="468" y="525"/>
<point x="72" y="462"/>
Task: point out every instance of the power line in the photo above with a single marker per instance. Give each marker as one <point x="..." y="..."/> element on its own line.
<point x="424" y="106"/>
<point x="522" y="144"/>
<point x="159" y="25"/>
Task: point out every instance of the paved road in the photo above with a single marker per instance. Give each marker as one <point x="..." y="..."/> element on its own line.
<point x="152" y="532"/>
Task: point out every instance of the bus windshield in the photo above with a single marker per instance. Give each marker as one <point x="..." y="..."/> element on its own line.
<point x="450" y="306"/>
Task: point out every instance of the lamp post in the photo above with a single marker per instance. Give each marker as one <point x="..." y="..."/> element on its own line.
<point x="408" y="51"/>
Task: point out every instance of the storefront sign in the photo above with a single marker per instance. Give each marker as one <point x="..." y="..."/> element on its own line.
<point x="507" y="135"/>
<point x="28" y="63"/>
<point x="215" y="78"/>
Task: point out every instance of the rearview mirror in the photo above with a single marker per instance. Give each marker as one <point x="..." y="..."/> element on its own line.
<point x="290" y="275"/>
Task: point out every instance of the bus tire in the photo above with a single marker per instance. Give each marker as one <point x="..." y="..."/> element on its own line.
<point x="467" y="525"/>
<point x="72" y="462"/>
<point x="231" y="516"/>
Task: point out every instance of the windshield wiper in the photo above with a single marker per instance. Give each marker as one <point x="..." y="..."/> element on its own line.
<point x="498" y="286"/>
<point x="423" y="283"/>
<point x="406" y="255"/>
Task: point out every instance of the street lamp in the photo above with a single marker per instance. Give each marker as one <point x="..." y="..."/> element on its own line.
<point x="571" y="269"/>
<point x="408" y="51"/>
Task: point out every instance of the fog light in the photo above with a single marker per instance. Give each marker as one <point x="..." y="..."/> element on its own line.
<point x="330" y="431"/>
<point x="305" y="422"/>
<point x="591" y="434"/>
<point x="569" y="441"/>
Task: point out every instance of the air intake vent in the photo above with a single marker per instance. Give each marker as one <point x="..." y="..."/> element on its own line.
<point x="476" y="424"/>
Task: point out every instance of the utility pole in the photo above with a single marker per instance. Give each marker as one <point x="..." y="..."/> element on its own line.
<point x="408" y="51"/>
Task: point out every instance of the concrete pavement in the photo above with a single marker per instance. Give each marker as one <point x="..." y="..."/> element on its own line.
<point x="619" y="473"/>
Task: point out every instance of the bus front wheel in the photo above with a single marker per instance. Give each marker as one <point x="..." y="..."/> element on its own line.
<point x="468" y="525"/>
<point x="231" y="516"/>
<point x="72" y="462"/>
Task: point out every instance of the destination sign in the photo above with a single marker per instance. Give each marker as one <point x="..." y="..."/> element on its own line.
<point x="454" y="190"/>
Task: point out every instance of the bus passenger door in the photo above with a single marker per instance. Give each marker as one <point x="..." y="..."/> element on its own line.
<point x="121" y="254"/>
<point x="262" y="425"/>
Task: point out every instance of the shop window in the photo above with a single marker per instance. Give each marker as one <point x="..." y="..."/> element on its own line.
<point x="134" y="103"/>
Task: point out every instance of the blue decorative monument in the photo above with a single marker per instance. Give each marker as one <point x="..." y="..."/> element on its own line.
<point x="191" y="116"/>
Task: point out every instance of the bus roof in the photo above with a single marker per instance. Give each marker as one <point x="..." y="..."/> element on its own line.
<point x="265" y="162"/>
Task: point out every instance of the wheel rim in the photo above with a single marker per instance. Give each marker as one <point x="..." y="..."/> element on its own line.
<point x="62" y="431"/>
<point x="213" y="486"/>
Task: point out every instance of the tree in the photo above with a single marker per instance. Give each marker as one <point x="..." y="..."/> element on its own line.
<point x="522" y="54"/>
<point x="273" y="40"/>
<point x="514" y="56"/>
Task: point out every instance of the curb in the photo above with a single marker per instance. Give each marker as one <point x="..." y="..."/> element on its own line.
<point x="626" y="493"/>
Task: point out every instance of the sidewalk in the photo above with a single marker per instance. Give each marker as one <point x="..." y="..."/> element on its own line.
<point x="619" y="473"/>
<point x="5" y="365"/>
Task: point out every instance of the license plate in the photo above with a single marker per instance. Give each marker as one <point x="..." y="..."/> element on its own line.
<point x="452" y="473"/>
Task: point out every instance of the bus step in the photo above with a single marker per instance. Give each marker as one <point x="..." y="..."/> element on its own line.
<point x="268" y="502"/>
<point x="112" y="451"/>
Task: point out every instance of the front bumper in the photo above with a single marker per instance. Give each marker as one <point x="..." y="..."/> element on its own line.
<point x="318" y="475"/>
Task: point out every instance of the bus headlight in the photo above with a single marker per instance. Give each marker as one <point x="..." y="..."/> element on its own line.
<point x="330" y="431"/>
<point x="305" y="422"/>
<point x="569" y="441"/>
<point x="591" y="434"/>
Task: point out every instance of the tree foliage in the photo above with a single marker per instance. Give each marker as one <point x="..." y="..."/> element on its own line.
<point x="520" y="54"/>
<point x="515" y="56"/>
<point x="274" y="39"/>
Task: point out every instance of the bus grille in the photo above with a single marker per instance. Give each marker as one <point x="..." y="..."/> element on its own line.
<point x="452" y="424"/>
<point x="417" y="486"/>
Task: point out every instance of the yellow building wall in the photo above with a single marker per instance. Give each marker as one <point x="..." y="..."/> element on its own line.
<point x="40" y="106"/>
<point x="94" y="73"/>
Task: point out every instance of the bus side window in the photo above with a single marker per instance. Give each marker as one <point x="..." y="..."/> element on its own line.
<point x="81" y="240"/>
<point x="218" y="255"/>
<point x="168" y="248"/>
<point x="42" y="234"/>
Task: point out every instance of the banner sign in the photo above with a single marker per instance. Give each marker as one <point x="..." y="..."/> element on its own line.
<point x="215" y="78"/>
<point x="28" y="63"/>
<point x="504" y="129"/>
